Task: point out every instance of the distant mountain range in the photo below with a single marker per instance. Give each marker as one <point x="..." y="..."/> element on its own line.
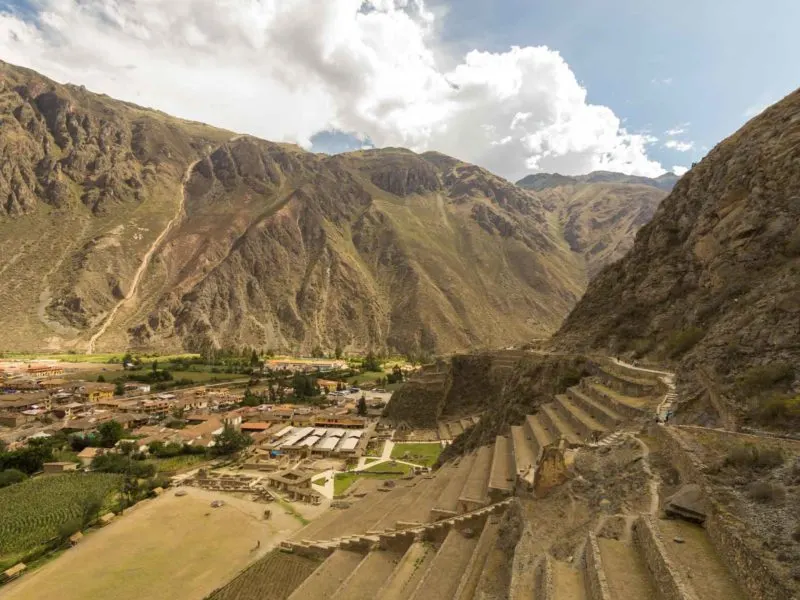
<point x="543" y="181"/>
<point x="601" y="212"/>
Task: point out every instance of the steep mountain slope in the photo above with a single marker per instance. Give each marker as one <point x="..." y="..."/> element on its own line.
<point x="714" y="279"/>
<point x="122" y="226"/>
<point x="601" y="212"/>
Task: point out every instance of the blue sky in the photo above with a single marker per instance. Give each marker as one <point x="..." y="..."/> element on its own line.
<point x="515" y="86"/>
<point x="657" y="64"/>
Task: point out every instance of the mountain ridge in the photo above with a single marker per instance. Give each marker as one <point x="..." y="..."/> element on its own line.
<point x="543" y="181"/>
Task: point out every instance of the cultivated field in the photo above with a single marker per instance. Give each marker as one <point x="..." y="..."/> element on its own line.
<point x="34" y="512"/>
<point x="169" y="548"/>
<point x="273" y="577"/>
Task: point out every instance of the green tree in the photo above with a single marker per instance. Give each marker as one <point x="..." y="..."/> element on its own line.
<point x="231" y="441"/>
<point x="101" y="379"/>
<point x="110" y="433"/>
<point x="371" y="363"/>
<point x="127" y="360"/>
<point x="338" y="352"/>
<point x="119" y="388"/>
<point x="317" y="352"/>
<point x="255" y="362"/>
<point x="155" y="366"/>
<point x="362" y="406"/>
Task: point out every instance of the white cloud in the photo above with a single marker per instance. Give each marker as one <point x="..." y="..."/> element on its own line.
<point x="661" y="81"/>
<point x="677" y="130"/>
<point x="679" y="145"/>
<point x="286" y="69"/>
<point x="679" y="170"/>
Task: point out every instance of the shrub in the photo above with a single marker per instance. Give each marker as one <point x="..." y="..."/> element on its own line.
<point x="752" y="457"/>
<point x="682" y="341"/>
<point x="11" y="476"/>
<point x="767" y="492"/>
<point x="766" y="377"/>
<point x="779" y="411"/>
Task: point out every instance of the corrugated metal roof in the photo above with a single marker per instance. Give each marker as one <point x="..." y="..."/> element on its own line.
<point x="349" y="444"/>
<point x="329" y="443"/>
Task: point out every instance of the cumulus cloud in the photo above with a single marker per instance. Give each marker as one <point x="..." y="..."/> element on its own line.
<point x="679" y="145"/>
<point x="679" y="170"/>
<point x="288" y="69"/>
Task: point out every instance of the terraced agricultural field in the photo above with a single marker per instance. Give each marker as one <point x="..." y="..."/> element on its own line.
<point x="273" y="577"/>
<point x="33" y="512"/>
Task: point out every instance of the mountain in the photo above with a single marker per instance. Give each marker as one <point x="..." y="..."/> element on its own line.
<point x="124" y="227"/>
<point x="601" y="212"/>
<point x="713" y="281"/>
<point x="543" y="181"/>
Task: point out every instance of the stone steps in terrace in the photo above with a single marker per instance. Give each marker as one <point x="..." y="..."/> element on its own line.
<point x="443" y="575"/>
<point x="587" y="428"/>
<point x="447" y="502"/>
<point x="369" y="575"/>
<point x="475" y="492"/>
<point x="325" y="580"/>
<point x="599" y="411"/>
<point x="408" y="572"/>
<point x="502" y="477"/>
<point x="556" y="426"/>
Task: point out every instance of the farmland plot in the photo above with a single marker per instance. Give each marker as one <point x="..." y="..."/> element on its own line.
<point x="38" y="510"/>
<point x="274" y="577"/>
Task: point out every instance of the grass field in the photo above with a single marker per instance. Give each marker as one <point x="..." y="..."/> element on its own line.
<point x="167" y="548"/>
<point x="342" y="481"/>
<point x="419" y="454"/>
<point x="33" y="512"/>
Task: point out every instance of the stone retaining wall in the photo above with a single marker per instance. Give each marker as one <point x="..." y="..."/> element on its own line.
<point x="543" y="586"/>
<point x="594" y="575"/>
<point x="667" y="578"/>
<point x="726" y="532"/>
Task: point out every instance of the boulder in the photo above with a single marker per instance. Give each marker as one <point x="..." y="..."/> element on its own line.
<point x="688" y="503"/>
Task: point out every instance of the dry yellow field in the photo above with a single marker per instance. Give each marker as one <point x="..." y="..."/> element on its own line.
<point x="170" y="548"/>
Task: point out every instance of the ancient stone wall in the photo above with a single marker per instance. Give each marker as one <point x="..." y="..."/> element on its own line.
<point x="667" y="578"/>
<point x="544" y="588"/>
<point x="726" y="532"/>
<point x="594" y="575"/>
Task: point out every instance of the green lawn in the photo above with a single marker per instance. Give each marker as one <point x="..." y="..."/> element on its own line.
<point x="398" y="470"/>
<point x="420" y="454"/>
<point x="342" y="481"/>
<point x="368" y="377"/>
<point x="375" y="448"/>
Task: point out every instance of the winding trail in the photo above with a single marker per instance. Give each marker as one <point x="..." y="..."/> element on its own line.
<point x="665" y="407"/>
<point x="145" y="261"/>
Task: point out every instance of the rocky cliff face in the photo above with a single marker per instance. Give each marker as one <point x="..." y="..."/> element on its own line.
<point x="601" y="212"/>
<point x="713" y="281"/>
